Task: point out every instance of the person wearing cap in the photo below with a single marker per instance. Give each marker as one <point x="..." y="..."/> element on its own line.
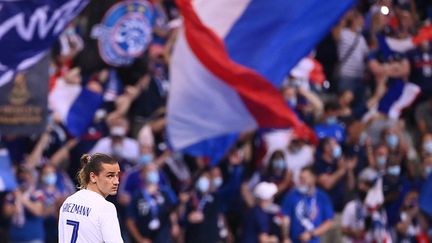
<point x="354" y="214"/>
<point x="259" y="223"/>
<point x="309" y="209"/>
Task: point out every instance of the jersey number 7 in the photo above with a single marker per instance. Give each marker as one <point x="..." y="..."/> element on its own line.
<point x="75" y="225"/>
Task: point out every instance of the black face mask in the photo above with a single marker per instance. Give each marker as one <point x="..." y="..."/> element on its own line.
<point x="362" y="195"/>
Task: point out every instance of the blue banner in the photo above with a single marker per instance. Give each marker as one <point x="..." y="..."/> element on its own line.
<point x="28" y="28"/>
<point x="125" y="32"/>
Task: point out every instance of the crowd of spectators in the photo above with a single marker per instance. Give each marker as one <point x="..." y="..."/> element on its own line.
<point x="361" y="183"/>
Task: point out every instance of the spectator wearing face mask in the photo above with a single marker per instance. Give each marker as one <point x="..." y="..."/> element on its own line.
<point x="28" y="219"/>
<point x="379" y="157"/>
<point x="309" y="210"/>
<point x="355" y="212"/>
<point x="53" y="200"/>
<point x="397" y="148"/>
<point x="276" y="172"/>
<point x="150" y="214"/>
<point x="133" y="179"/>
<point x="335" y="173"/>
<point x="202" y="213"/>
<point x="117" y="144"/>
<point x="330" y="126"/>
<point x="216" y="179"/>
<point x="393" y="191"/>
<point x="263" y="222"/>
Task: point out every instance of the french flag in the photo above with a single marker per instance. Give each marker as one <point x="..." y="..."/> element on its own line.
<point x="400" y="94"/>
<point x="74" y="105"/>
<point x="230" y="59"/>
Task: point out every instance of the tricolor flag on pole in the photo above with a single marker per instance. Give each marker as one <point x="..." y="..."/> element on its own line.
<point x="230" y="60"/>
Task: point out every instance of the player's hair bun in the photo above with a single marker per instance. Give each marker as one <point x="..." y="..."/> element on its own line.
<point x="85" y="159"/>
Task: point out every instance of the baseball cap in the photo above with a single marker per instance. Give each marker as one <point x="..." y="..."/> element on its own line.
<point x="265" y="190"/>
<point x="368" y="175"/>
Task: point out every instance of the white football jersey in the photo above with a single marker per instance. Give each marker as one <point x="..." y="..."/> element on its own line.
<point x="86" y="216"/>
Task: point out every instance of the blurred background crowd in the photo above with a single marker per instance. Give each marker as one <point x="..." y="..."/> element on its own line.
<point x="361" y="182"/>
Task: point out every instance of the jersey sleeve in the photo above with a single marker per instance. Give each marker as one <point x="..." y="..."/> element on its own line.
<point x="110" y="225"/>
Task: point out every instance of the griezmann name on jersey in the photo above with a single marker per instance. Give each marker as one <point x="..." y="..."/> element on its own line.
<point x="86" y="216"/>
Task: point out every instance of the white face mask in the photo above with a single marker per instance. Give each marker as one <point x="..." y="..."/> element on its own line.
<point x="303" y="189"/>
<point x="427" y="147"/>
<point x="428" y="170"/>
<point x="217" y="182"/>
<point x="118" y="131"/>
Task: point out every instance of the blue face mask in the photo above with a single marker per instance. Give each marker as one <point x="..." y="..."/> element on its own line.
<point x="49" y="179"/>
<point x="381" y="161"/>
<point x="152" y="177"/>
<point x="337" y="152"/>
<point x="331" y="120"/>
<point x="292" y="103"/>
<point x="203" y="184"/>
<point x="145" y="159"/>
<point x="428" y="147"/>
<point x="279" y="164"/>
<point x="428" y="170"/>
<point x="217" y="182"/>
<point x="303" y="189"/>
<point x="394" y="170"/>
<point x="392" y="140"/>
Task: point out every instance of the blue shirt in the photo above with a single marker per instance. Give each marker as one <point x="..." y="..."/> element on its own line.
<point x="421" y="73"/>
<point x="145" y="208"/>
<point x="256" y="222"/>
<point x="33" y="227"/>
<point x="306" y="212"/>
<point x="336" y="193"/>
<point x="230" y="191"/>
<point x="336" y="131"/>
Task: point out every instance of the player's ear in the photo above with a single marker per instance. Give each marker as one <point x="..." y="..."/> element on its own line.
<point x="92" y="177"/>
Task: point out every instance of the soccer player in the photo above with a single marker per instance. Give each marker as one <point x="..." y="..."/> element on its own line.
<point x="86" y="216"/>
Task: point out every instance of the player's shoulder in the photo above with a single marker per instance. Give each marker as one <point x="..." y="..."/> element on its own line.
<point x="110" y="205"/>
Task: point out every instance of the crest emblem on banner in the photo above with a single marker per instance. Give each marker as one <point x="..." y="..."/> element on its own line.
<point x="125" y="32"/>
